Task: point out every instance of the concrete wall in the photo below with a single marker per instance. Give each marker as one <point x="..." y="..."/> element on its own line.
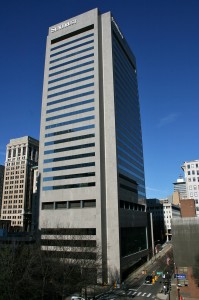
<point x="185" y="239"/>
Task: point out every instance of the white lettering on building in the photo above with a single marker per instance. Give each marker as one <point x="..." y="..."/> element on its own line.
<point x="63" y="25"/>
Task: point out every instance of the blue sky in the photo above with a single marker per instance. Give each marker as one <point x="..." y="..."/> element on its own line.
<point x="164" y="36"/>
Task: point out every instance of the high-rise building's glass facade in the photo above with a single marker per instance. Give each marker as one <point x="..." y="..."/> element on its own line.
<point x="127" y="111"/>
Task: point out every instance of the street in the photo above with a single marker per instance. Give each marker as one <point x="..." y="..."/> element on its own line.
<point x="135" y="286"/>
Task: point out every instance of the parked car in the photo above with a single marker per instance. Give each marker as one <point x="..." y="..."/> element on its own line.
<point x="148" y="279"/>
<point x="77" y="298"/>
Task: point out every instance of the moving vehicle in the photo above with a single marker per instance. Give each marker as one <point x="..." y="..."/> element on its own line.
<point x="148" y="279"/>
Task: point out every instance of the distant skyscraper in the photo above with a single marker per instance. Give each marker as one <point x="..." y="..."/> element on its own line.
<point x="180" y="186"/>
<point x="91" y="155"/>
<point x="21" y="155"/>
<point x="1" y="185"/>
<point x="191" y="171"/>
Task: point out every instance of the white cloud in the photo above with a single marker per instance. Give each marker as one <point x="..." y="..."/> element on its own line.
<point x="155" y="190"/>
<point x="168" y="119"/>
<point x="156" y="193"/>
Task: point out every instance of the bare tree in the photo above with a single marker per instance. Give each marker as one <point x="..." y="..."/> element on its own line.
<point x="51" y="268"/>
<point x="79" y="258"/>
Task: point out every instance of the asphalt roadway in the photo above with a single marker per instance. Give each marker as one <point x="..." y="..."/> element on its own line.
<point x="134" y="286"/>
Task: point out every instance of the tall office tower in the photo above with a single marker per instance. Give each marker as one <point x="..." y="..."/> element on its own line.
<point x="1" y="185"/>
<point x="191" y="171"/>
<point x="21" y="155"/>
<point x="180" y="186"/>
<point x="91" y="155"/>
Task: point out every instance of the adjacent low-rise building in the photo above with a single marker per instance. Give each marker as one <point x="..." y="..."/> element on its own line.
<point x="188" y="208"/>
<point x="185" y="237"/>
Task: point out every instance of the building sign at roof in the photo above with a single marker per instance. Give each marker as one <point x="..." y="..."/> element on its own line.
<point x="63" y="25"/>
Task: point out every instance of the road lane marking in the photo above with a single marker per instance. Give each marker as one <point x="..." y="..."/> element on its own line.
<point x="139" y="293"/>
<point x="149" y="295"/>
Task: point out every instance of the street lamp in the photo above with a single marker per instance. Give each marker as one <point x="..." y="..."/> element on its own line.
<point x="178" y="290"/>
<point x="177" y="282"/>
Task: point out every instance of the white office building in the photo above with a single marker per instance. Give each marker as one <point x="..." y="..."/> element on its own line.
<point x="191" y="171"/>
<point x="170" y="211"/>
<point x="91" y="156"/>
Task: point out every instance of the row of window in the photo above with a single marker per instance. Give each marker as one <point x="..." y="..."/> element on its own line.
<point x="17" y="164"/>
<point x="15" y="172"/>
<point x="20" y="153"/>
<point x="130" y="166"/>
<point x="13" y="191"/>
<point x="129" y="124"/>
<point x="71" y="61"/>
<point x="11" y="217"/>
<point x="192" y="166"/>
<point x="72" y="113"/>
<point x="125" y="170"/>
<point x="70" y="122"/>
<point x="68" y="167"/>
<point x="69" y="43"/>
<point x="71" y="176"/>
<point x="17" y="151"/>
<point x="193" y="187"/>
<point x="68" y="186"/>
<point x="13" y="197"/>
<point x="7" y="187"/>
<point x="16" y="222"/>
<point x="75" y="138"/>
<point x="193" y="194"/>
<point x="193" y="172"/>
<point x="71" y="75"/>
<point x="12" y="201"/>
<point x="83" y="155"/>
<point x="68" y="231"/>
<point x="123" y="151"/>
<point x="131" y="206"/>
<point x="77" y="147"/>
<point x="193" y="179"/>
<point x="70" y="98"/>
<point x="71" y="68"/>
<point x="70" y="82"/>
<point x="12" y="181"/>
<point x="16" y="177"/>
<point x="71" y="90"/>
<point x="72" y="54"/>
<point x="69" y="204"/>
<point x="71" y="48"/>
<point x="71" y="130"/>
<point x="12" y="211"/>
<point x="12" y="206"/>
